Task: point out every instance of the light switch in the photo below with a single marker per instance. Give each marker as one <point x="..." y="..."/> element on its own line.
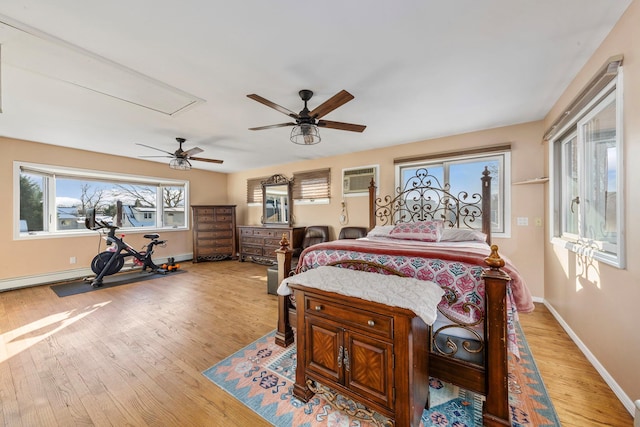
<point x="522" y="220"/>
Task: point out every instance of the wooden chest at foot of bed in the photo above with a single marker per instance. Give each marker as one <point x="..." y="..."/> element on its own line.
<point x="370" y="352"/>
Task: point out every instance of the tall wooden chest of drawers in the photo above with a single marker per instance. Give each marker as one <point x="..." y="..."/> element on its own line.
<point x="214" y="232"/>
<point x="259" y="243"/>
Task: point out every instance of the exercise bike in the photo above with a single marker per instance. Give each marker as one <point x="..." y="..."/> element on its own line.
<point x="112" y="260"/>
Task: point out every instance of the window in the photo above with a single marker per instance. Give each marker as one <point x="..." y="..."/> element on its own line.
<point x="312" y="186"/>
<point x="463" y="173"/>
<point x="53" y="200"/>
<point x="587" y="189"/>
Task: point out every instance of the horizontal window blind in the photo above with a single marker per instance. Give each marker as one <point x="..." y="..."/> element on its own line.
<point x="312" y="185"/>
<point x="254" y="190"/>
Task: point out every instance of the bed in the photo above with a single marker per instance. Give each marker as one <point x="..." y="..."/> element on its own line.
<point x="425" y="232"/>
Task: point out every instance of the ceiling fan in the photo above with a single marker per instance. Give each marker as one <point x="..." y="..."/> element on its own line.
<point x="180" y="158"/>
<point x="306" y="122"/>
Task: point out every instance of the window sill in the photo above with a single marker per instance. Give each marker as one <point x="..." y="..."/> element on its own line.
<point x="584" y="251"/>
<point x="85" y="233"/>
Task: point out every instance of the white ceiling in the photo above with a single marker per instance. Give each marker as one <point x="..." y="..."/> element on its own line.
<point x="418" y="69"/>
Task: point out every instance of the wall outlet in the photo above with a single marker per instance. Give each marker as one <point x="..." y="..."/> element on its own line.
<point x="72" y="260"/>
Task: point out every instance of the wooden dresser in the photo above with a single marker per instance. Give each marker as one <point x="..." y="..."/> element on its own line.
<point x="258" y="243"/>
<point x="214" y="232"/>
<point x="374" y="353"/>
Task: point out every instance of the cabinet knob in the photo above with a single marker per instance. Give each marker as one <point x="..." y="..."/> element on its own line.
<point x="371" y="323"/>
<point x="318" y="307"/>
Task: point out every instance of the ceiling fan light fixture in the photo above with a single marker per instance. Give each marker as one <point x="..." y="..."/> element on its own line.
<point x="180" y="164"/>
<point x="305" y="134"/>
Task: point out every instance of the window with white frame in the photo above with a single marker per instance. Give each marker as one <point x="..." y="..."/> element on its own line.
<point x="52" y="200"/>
<point x="463" y="172"/>
<point x="587" y="199"/>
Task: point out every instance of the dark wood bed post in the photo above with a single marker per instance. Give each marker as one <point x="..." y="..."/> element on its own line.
<point x="372" y="202"/>
<point x="496" y="407"/>
<point x="284" y="334"/>
<point x="486" y="203"/>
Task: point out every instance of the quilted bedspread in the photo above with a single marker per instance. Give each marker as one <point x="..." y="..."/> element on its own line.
<point x="454" y="266"/>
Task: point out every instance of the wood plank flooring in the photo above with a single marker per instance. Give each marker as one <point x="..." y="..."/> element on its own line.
<point x="134" y="354"/>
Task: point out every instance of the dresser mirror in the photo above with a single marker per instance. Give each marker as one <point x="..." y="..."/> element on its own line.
<point x="276" y="201"/>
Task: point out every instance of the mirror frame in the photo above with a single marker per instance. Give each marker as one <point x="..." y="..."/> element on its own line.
<point x="273" y="181"/>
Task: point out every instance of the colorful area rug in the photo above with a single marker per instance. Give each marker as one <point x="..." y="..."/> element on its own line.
<point x="262" y="375"/>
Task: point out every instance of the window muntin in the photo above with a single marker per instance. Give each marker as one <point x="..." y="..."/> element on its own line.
<point x="464" y="174"/>
<point x="54" y="200"/>
<point x="588" y="194"/>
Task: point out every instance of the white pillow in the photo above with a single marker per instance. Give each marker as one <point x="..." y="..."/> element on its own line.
<point x="380" y="231"/>
<point x="462" y="235"/>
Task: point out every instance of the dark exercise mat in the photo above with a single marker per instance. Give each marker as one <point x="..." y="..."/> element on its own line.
<point x="82" y="286"/>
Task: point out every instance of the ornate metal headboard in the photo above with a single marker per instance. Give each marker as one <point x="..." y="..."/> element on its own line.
<point x="424" y="198"/>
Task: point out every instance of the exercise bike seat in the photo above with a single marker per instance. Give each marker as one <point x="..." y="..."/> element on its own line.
<point x="151" y="236"/>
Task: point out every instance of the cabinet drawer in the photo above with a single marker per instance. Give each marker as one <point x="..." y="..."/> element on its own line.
<point x="274" y="243"/>
<point x="252" y="240"/>
<point x="251" y="250"/>
<point x="214" y="226"/>
<point x="204" y="251"/>
<point x="265" y="232"/>
<point x="214" y="234"/>
<point x="246" y="231"/>
<point x="200" y="212"/>
<point x="365" y="320"/>
<point x="224" y="211"/>
<point x="226" y="242"/>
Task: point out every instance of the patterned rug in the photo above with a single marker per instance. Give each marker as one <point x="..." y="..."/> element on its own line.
<point x="262" y="375"/>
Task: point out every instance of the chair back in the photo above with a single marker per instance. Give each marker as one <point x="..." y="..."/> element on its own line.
<point x="315" y="234"/>
<point x="352" y="232"/>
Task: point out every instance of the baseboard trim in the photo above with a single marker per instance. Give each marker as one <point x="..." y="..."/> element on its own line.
<point x="61" y="276"/>
<point x="617" y="390"/>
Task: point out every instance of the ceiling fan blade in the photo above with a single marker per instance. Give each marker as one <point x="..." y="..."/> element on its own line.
<point x="200" y="159"/>
<point x="164" y="157"/>
<point x="192" y="151"/>
<point x="273" y="126"/>
<point x="273" y="105"/>
<point x="342" y="126"/>
<point x="154" y="148"/>
<point x="331" y="104"/>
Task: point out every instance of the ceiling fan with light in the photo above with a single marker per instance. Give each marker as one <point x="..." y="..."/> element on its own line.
<point x="180" y="158"/>
<point x="305" y="127"/>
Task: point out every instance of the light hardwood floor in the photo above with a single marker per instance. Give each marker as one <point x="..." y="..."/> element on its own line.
<point x="134" y="354"/>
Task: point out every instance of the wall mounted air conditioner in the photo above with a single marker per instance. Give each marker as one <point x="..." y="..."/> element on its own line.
<point x="356" y="181"/>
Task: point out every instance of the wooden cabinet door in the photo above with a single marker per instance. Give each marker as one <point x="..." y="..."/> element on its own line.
<point x="368" y="365"/>
<point x="324" y="349"/>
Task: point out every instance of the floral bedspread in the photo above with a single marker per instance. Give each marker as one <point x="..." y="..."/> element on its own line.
<point x="455" y="267"/>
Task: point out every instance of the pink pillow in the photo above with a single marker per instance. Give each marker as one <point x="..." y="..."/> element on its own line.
<point x="426" y="231"/>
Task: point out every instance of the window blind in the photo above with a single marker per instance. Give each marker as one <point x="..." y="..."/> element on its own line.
<point x="312" y="185"/>
<point x="457" y="153"/>
<point x="254" y="190"/>
<point x="599" y="81"/>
